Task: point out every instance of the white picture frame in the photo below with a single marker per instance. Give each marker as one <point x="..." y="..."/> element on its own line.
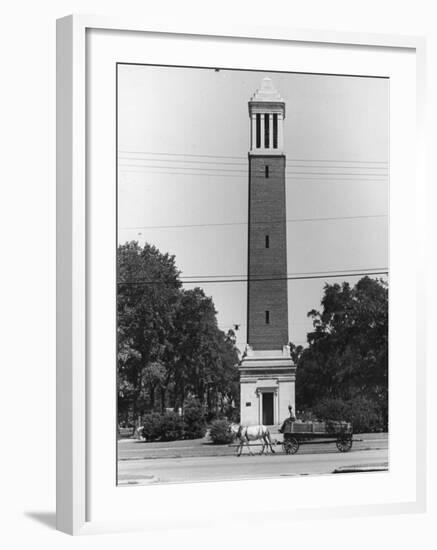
<point x="73" y="395"/>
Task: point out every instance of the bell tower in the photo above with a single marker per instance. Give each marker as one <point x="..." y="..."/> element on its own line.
<point x="267" y="373"/>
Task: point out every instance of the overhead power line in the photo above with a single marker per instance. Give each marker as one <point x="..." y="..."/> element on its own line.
<point x="221" y="175"/>
<point x="326" y="178"/>
<point x="215" y="165"/>
<point x="267" y="222"/>
<point x="192" y="155"/>
<point x="160" y="153"/>
<point x="126" y="161"/>
<point x="254" y="279"/>
<point x="245" y="171"/>
<point x="143" y="159"/>
<point x="184" y="168"/>
<point x="342" y="271"/>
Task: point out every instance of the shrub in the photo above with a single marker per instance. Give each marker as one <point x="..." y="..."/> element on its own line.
<point x="172" y="427"/>
<point x="165" y="427"/>
<point x="220" y="432"/>
<point x="152" y="426"/>
<point x="194" y="422"/>
<point x="361" y="411"/>
<point x="364" y="415"/>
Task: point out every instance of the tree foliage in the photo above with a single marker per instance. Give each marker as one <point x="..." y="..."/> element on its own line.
<point x="170" y="348"/>
<point x="347" y="356"/>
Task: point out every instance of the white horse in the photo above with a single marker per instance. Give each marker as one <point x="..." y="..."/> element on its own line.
<point x="245" y="434"/>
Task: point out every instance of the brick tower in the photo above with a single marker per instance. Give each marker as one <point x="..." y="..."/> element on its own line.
<point x="267" y="373"/>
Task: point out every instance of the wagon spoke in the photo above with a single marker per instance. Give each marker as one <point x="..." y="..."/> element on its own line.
<point x="291" y="445"/>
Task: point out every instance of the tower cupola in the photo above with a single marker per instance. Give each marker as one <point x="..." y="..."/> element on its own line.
<point x="267" y="113"/>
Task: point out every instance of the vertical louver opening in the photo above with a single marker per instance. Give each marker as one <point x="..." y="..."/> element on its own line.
<point x="266" y="132"/>
<point x="275" y="131"/>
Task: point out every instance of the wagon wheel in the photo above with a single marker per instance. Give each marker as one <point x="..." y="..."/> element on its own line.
<point x="291" y="446"/>
<point x="344" y="443"/>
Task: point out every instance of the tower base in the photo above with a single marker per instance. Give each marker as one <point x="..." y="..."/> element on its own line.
<point x="267" y="386"/>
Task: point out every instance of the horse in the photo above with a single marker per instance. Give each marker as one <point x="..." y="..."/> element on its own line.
<point x="252" y="433"/>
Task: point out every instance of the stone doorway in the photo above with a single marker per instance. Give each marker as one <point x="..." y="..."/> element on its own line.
<point x="267" y="408"/>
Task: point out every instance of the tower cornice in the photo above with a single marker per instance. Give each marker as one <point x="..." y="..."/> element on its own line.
<point x="266" y="107"/>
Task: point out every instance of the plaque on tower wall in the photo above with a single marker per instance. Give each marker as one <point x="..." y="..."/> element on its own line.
<point x="241" y="242"/>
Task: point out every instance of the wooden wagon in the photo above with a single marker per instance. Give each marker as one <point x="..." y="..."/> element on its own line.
<point x="297" y="433"/>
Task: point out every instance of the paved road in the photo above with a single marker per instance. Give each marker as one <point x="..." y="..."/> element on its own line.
<point x="310" y="460"/>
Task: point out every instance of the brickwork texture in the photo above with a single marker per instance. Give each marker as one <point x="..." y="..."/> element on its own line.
<point x="267" y="217"/>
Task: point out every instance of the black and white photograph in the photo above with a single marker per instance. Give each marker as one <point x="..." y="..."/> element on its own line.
<point x="218" y="275"/>
<point x="252" y="274"/>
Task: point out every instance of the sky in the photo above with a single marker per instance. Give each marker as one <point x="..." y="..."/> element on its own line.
<point x="183" y="141"/>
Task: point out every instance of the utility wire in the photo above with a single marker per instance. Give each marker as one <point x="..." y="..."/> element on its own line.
<point x="184" y="168"/>
<point x="181" y="174"/>
<point x="359" y="177"/>
<point x="269" y="222"/>
<point x="180" y="154"/>
<point x="343" y="271"/>
<point x="240" y="163"/>
<point x="253" y="280"/>
<point x="126" y="161"/>
<point x="188" y="165"/>
<point x="161" y="153"/>
<point x="310" y="170"/>
<point x="234" y="170"/>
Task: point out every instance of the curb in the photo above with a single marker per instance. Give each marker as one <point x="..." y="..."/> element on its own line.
<point x="360" y="469"/>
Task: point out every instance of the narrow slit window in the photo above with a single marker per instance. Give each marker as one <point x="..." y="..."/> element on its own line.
<point x="267" y="241"/>
<point x="267" y="172"/>
<point x="267" y="317"/>
<point x="266" y="132"/>
<point x="275" y="131"/>
<point x="258" y="131"/>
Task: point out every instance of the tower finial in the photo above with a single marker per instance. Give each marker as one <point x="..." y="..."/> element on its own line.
<point x="267" y="91"/>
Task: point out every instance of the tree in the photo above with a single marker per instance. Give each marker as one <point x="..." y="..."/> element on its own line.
<point x="347" y="356"/>
<point x="204" y="357"/>
<point x="169" y="345"/>
<point x="147" y="294"/>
